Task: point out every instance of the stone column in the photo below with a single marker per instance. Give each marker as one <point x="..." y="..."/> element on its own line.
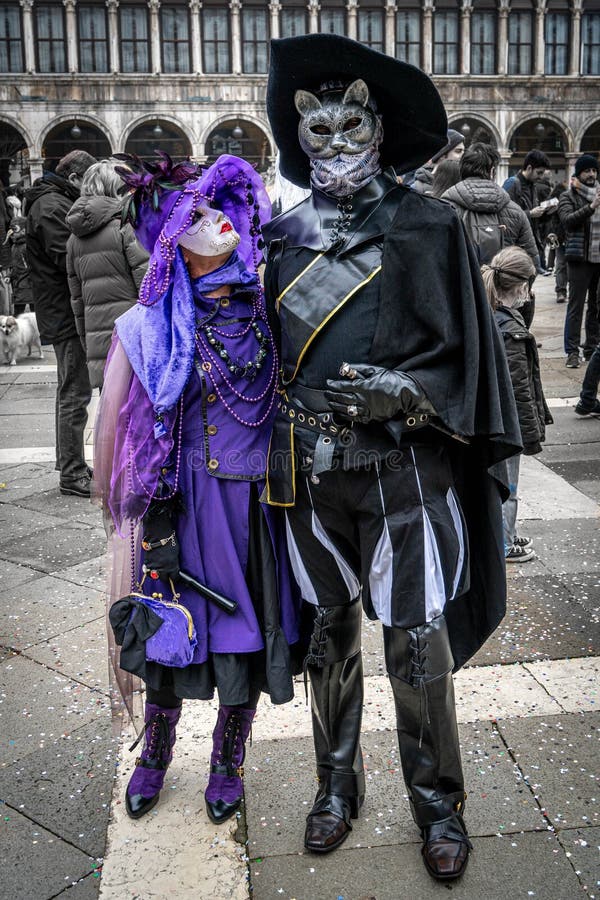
<point x="352" y="19"/>
<point x="275" y="9"/>
<point x="113" y="35"/>
<point x="465" y="37"/>
<point x="70" y="16"/>
<point x="27" y="6"/>
<point x="236" y="37"/>
<point x="502" y="48"/>
<point x="196" y="35"/>
<point x="390" y="27"/>
<point x="540" y="41"/>
<point x="502" y="170"/>
<point x="314" y="8"/>
<point x="428" y="7"/>
<point x="155" y="65"/>
<point x="36" y="168"/>
<point x="575" y="54"/>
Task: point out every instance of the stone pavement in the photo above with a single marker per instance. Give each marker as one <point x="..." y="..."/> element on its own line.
<point x="527" y="707"/>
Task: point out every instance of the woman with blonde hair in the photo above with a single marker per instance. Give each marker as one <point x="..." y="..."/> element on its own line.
<point x="508" y="280"/>
<point x="105" y="263"/>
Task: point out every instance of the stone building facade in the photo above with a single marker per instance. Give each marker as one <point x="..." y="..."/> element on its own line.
<point x="189" y="75"/>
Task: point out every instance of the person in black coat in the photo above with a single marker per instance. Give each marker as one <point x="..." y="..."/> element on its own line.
<point x="507" y="280"/>
<point x="579" y="214"/>
<point x="48" y="202"/>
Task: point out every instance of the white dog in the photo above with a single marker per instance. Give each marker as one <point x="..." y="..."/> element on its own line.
<point x="19" y="333"/>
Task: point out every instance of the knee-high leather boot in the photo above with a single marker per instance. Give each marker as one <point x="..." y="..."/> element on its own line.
<point x="419" y="663"/>
<point x="334" y="664"/>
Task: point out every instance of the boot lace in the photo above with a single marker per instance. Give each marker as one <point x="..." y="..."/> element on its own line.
<point x="418" y="657"/>
<point x="232" y="743"/>
<point x="318" y="644"/>
<point x="158" y="742"/>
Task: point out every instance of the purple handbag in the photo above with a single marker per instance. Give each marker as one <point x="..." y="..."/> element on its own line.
<point x="174" y="642"/>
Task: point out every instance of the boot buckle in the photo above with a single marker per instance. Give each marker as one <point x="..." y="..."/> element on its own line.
<point x="240" y="771"/>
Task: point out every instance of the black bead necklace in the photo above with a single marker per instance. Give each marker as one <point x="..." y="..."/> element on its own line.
<point x="243" y="369"/>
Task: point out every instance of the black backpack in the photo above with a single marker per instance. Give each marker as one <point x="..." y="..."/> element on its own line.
<point x="486" y="233"/>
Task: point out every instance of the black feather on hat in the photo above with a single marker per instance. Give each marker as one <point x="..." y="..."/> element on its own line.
<point x="414" y="119"/>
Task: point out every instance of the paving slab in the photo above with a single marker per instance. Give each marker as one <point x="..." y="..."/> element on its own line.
<point x="523" y="867"/>
<point x="39" y="610"/>
<point x="90" y="573"/>
<point x="38" y="705"/>
<point x="86" y="889"/>
<point x="544" y="494"/>
<point x="67" y="786"/>
<point x="590" y="488"/>
<point x="568" y="428"/>
<point x="575" y="684"/>
<point x="175" y="851"/>
<point x="75" y="509"/>
<point x="55" y="548"/>
<point x="498" y="692"/>
<point x="568" y="546"/>
<point x="28" y="431"/>
<point x="49" y="864"/>
<point x="581" y="847"/>
<point x="16" y="523"/>
<point x="26" y="479"/>
<point x="558" y="756"/>
<point x="10" y="406"/>
<point x="80" y="653"/>
<point x="12" y="574"/>
<point x="562" y="453"/>
<point x="543" y="620"/>
<point x="280" y="789"/>
<point x="19" y="393"/>
<point x="585" y="588"/>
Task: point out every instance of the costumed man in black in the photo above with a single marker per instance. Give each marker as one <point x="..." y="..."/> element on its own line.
<point x="395" y="404"/>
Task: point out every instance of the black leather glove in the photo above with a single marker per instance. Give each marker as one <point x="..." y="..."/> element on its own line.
<point x="374" y="394"/>
<point x="159" y="541"/>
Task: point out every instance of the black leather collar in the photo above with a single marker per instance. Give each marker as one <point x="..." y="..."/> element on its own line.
<point x="322" y="222"/>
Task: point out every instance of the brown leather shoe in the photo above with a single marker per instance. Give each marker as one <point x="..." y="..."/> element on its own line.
<point x="445" y="859"/>
<point x="324" y="832"/>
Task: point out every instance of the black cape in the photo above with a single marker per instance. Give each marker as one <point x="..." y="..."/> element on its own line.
<point x="435" y="323"/>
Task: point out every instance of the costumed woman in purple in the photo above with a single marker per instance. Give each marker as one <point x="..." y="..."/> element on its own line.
<point x="181" y="442"/>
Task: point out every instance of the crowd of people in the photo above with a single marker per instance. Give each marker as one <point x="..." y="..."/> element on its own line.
<point x="278" y="450"/>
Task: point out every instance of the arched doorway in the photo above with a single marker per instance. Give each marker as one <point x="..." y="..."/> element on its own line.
<point x="590" y="142"/>
<point x="158" y="134"/>
<point x="14" y="155"/>
<point x="74" y="135"/>
<point x="539" y="134"/>
<point x="474" y="131"/>
<point x="240" y="138"/>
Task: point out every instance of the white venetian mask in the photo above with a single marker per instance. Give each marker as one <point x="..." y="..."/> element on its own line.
<point x="210" y="234"/>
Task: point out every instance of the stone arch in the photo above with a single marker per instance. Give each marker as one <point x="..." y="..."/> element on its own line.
<point x="253" y="142"/>
<point x="543" y="116"/>
<point x="141" y="132"/>
<point x="80" y="120"/>
<point x="474" y="120"/>
<point x="588" y="139"/>
<point x="15" y="146"/>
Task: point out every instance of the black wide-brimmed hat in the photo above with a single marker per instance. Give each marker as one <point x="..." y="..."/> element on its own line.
<point x="414" y="118"/>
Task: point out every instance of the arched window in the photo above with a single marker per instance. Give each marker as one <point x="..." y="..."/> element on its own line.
<point x="590" y="38"/>
<point x="134" y="37"/>
<point x="332" y="17"/>
<point x="483" y="38"/>
<point x="93" y="37"/>
<point x="293" y="19"/>
<point x="239" y="138"/>
<point x="158" y="135"/>
<point x="446" y="38"/>
<point x="590" y="142"/>
<point x="74" y="135"/>
<point x="475" y="132"/>
<point x="216" y="47"/>
<point x="408" y="33"/>
<point x="11" y="41"/>
<point x="13" y="154"/>
<point x="521" y="38"/>
<point x="50" y="34"/>
<point x="539" y="134"/>
<point x="371" y="25"/>
<point x="175" y="37"/>
<point x="556" y="38"/>
<point x="255" y="37"/>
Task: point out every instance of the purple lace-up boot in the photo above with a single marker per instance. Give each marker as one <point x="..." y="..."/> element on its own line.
<point x="147" y="780"/>
<point x="225" y="789"/>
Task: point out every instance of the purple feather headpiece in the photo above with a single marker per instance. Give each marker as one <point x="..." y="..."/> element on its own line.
<point x="165" y="196"/>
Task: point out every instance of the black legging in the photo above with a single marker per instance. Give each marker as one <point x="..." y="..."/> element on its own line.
<point x="168" y="699"/>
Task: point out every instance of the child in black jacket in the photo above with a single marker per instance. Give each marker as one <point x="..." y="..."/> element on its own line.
<point x="508" y="279"/>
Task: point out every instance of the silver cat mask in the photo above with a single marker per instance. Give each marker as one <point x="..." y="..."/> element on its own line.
<point x="341" y="134"/>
